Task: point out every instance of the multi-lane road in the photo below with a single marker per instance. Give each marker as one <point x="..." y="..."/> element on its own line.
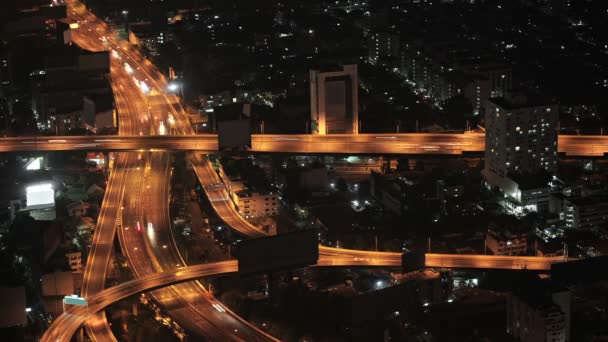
<point x="111" y="143"/>
<point x="65" y="326"/>
<point x="139" y="115"/>
<point x="407" y="143"/>
<point x="144" y="231"/>
<point x="137" y="199"/>
<point x="148" y="243"/>
<point x="94" y="275"/>
<point x="96" y="267"/>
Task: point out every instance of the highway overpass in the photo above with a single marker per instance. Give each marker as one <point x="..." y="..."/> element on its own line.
<point x="191" y="303"/>
<point x="66" y="325"/>
<point x="406" y="143"/>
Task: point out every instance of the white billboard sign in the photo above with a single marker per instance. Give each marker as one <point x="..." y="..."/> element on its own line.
<point x="40" y="196"/>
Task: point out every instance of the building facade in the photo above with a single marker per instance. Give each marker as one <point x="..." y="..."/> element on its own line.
<point x="507" y="243"/>
<point x="252" y="204"/>
<point x="536" y="320"/>
<point x="383" y="45"/>
<point x="586" y="212"/>
<point x="334" y="104"/>
<point x="521" y="146"/>
<point x="521" y="137"/>
<point x="75" y="261"/>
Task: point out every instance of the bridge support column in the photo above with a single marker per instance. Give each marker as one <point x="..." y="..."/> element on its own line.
<point x="385" y="162"/>
<point x="106" y="161"/>
<point x="80" y="335"/>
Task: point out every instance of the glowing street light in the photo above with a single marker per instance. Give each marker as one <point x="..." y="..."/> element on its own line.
<point x="161" y="129"/>
<point x="173" y="87"/>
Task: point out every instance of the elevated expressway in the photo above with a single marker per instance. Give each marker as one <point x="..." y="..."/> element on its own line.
<point x="144" y="227"/>
<point x="64" y="327"/>
<point x="102" y="243"/>
<point x="406" y="143"/>
<point x="190" y="303"/>
<point x="330" y="256"/>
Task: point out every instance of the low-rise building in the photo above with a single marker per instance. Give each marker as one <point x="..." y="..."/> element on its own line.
<point x="311" y="181"/>
<point x="389" y="193"/>
<point x="75" y="261"/>
<point x="530" y="192"/>
<point x="506" y="243"/>
<point x="586" y="212"/>
<point x="539" y="318"/>
<point x="58" y="90"/>
<point x="449" y="189"/>
<point x="507" y="236"/>
<point x="251" y="204"/>
<point x="251" y="201"/>
<point x="99" y="112"/>
<point x="450" y="195"/>
<point x="433" y="286"/>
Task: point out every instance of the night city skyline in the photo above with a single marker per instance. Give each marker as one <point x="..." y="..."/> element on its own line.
<point x="351" y="170"/>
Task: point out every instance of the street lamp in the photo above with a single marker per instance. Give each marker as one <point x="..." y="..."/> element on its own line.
<point x="176" y="88"/>
<point x="173" y="86"/>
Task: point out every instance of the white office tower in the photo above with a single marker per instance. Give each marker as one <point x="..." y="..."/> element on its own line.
<point x="334" y="105"/>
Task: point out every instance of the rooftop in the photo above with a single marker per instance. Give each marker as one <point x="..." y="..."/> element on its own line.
<point x="515" y="101"/>
<point x="507" y="226"/>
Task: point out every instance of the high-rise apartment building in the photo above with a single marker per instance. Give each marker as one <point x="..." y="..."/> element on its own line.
<point x="383" y="45"/>
<point x="521" y="136"/>
<point x="521" y="149"/>
<point x="334" y="104"/>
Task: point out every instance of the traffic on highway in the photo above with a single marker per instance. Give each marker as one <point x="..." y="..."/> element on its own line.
<point x="136" y="209"/>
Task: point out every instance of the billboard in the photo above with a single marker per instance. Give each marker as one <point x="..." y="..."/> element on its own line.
<point x="34" y="164"/>
<point x="75" y="300"/>
<point x="234" y="133"/>
<point x="40" y="196"/>
<point x="278" y="252"/>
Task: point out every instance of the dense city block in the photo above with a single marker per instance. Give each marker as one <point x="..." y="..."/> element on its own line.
<point x="285" y="170"/>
